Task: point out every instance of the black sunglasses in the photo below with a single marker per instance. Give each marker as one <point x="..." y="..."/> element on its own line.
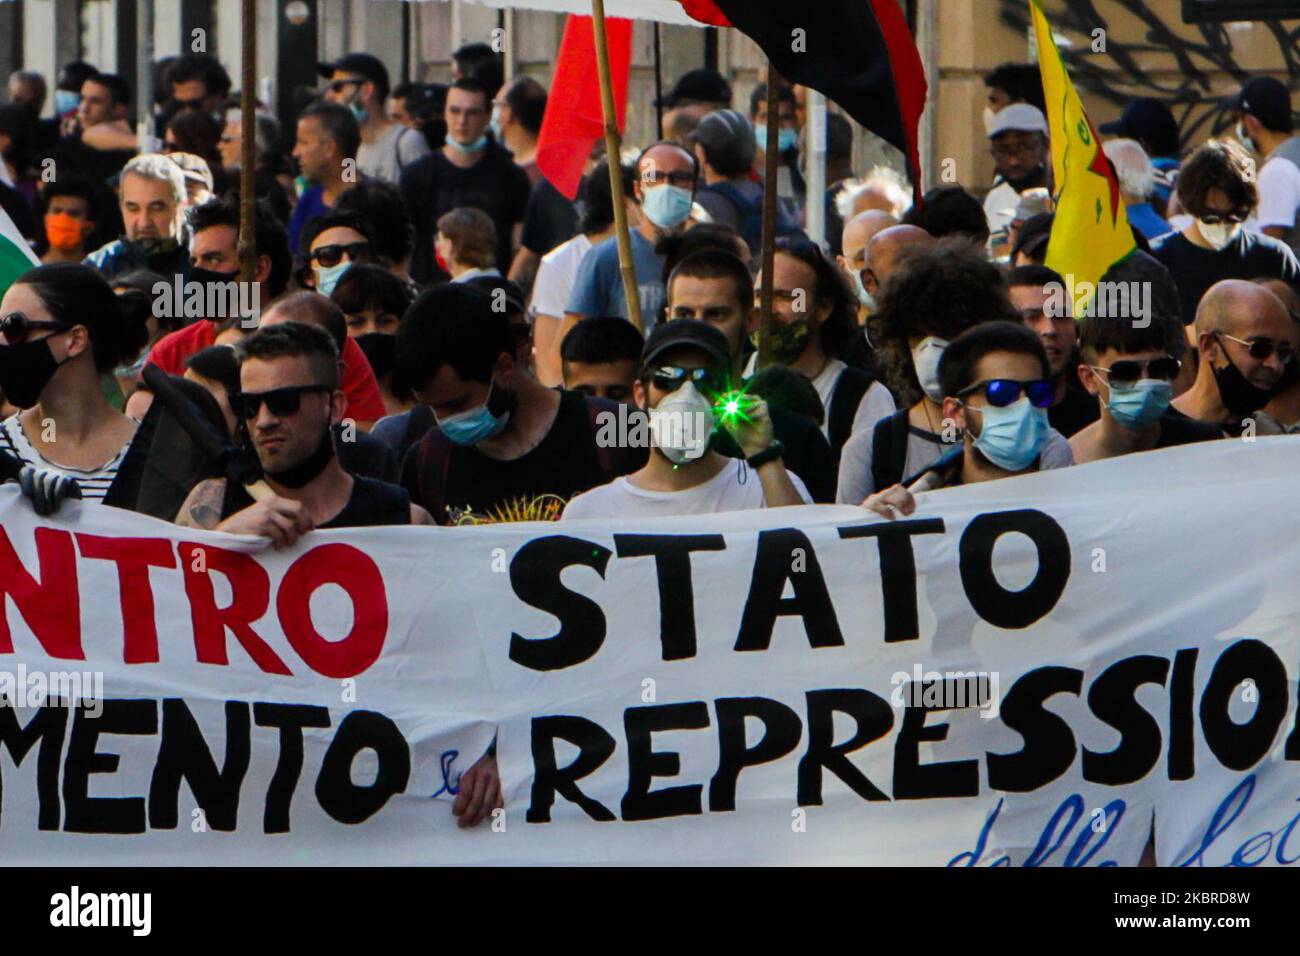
<point x="1235" y="218"/>
<point x="1002" y="392"/>
<point x="189" y="104"/>
<point x="282" y="402"/>
<point x="16" y="327"/>
<point x="1128" y="371"/>
<point x="1261" y="349"/>
<point x="332" y="255"/>
<point x="339" y="85"/>
<point x="669" y="378"/>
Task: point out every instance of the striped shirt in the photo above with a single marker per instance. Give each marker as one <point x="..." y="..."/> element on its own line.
<point x="94" y="482"/>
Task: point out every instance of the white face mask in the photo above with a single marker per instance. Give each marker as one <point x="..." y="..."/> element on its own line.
<point x="681" y="425"/>
<point x="864" y="297"/>
<point x="925" y="359"/>
<point x="1220" y="234"/>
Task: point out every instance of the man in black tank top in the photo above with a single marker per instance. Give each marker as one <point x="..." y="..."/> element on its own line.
<point x="289" y="399"/>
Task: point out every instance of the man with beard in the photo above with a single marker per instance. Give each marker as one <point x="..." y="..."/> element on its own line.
<point x="153" y="194"/>
<point x="1018" y="142"/>
<point x="1245" y="338"/>
<point x="289" y="401"/>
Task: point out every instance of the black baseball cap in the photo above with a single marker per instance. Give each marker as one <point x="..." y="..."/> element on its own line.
<point x="1266" y="99"/>
<point x="362" y="64"/>
<point x="1148" y="120"/>
<point x="705" y="86"/>
<point x="686" y="333"/>
<point x="511" y="294"/>
<point x="728" y="141"/>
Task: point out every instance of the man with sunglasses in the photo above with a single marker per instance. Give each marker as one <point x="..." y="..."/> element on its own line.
<point x="1218" y="187"/>
<point x="1245" y="337"/>
<point x="288" y="403"/>
<point x="996" y="384"/>
<point x="332" y="244"/>
<point x="359" y="81"/>
<point x="1131" y="370"/>
<point x="685" y="375"/>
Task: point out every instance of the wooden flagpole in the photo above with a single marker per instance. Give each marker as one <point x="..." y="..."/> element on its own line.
<point x="247" y="247"/>
<point x="613" y="146"/>
<point x="772" y="163"/>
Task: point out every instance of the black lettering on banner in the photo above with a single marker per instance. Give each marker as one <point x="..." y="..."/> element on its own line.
<point x="1241" y="746"/>
<point x="1049" y="742"/>
<point x="873" y="718"/>
<point x="1113" y="699"/>
<point x="773" y="567"/>
<point x="535" y="577"/>
<point x="290" y="719"/>
<point x="595" y="746"/>
<point x="86" y="814"/>
<point x="672" y="554"/>
<point x="782" y="730"/>
<point x="993" y="602"/>
<point x="184" y="755"/>
<point x="897" y="570"/>
<point x="914" y="780"/>
<point x="336" y="791"/>
<point x="48" y="725"/>
<point x="1182" y="727"/>
<point x="644" y="763"/>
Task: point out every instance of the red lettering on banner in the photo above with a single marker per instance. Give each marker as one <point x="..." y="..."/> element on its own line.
<point x="52" y="606"/>
<point x="353" y="571"/>
<point x="133" y="557"/>
<point x="250" y="589"/>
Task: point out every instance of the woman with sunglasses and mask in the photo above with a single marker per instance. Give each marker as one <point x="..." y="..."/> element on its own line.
<point x="333" y="243"/>
<point x="61" y="330"/>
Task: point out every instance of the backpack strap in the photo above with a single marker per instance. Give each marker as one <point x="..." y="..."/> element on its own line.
<point x="849" y="390"/>
<point x="432" y="464"/>
<point x="889" y="450"/>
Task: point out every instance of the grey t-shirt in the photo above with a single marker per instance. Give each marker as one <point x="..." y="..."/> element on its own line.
<point x="387" y="156"/>
<point x="923" y="449"/>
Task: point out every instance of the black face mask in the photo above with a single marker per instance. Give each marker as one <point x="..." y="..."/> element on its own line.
<point x="25" y="370"/>
<point x="380" y="351"/>
<point x="311" y="466"/>
<point x="1037" y="178"/>
<point x="209" y="277"/>
<point x="1239" y="396"/>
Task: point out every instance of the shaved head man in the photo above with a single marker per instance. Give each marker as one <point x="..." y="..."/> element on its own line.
<point x="885" y="253"/>
<point x="1246" y="337"/>
<point x="858" y="231"/>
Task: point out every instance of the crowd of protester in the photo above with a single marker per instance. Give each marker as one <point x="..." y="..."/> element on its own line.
<point x="438" y="335"/>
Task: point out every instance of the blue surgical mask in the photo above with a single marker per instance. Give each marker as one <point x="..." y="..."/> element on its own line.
<point x="474" y="426"/>
<point x="864" y="297"/>
<point x="359" y="111"/>
<point x="1139" y="405"/>
<point x="1013" y="437"/>
<point x="1245" y="138"/>
<point x="495" y="125"/>
<point x="65" y="101"/>
<point x="473" y="147"/>
<point x="327" y="277"/>
<point x="667" y="206"/>
<point x="786" y="139"/>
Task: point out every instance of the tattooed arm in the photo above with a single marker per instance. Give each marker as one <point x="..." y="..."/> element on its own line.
<point x="202" y="507"/>
<point x="420" y="516"/>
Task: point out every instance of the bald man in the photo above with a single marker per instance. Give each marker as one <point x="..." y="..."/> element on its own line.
<point x="858" y="231"/>
<point x="885" y="253"/>
<point x="1284" y="407"/>
<point x="1245" y="337"/>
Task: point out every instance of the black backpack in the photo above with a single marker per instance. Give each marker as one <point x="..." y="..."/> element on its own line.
<point x="849" y="389"/>
<point x="889" y="450"/>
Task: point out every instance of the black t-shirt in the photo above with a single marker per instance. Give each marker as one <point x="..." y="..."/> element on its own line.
<point x="807" y="452"/>
<point x="1249" y="256"/>
<point x="460" y="484"/>
<point x="433" y="185"/>
<point x="549" y="219"/>
<point x="371" y="504"/>
<point x="1075" y="412"/>
<point x="366" y="456"/>
<point x="1179" y="429"/>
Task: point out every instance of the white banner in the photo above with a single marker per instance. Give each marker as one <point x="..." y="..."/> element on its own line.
<point x="665" y="11"/>
<point x="1025" y="672"/>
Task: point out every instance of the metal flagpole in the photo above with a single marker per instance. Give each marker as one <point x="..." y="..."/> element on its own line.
<point x="247" y="247"/>
<point x="816" y="203"/>
<point x="144" y="75"/>
<point x="772" y="164"/>
<point x="659" y="83"/>
<point x="613" y="147"/>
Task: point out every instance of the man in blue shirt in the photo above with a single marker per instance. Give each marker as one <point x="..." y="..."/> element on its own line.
<point x="666" y="177"/>
<point x="326" y="149"/>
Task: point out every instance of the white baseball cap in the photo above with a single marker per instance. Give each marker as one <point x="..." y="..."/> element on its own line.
<point x="1020" y="117"/>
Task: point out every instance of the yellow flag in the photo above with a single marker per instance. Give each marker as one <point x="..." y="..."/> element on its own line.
<point x="1090" y="232"/>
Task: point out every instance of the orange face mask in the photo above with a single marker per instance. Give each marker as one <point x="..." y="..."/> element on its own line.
<point x="63" y="231"/>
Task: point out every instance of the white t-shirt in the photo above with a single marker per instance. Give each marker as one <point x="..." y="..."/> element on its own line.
<point x="735" y="488"/>
<point x="555" y="276"/>
<point x="1001" y="197"/>
<point x="877" y="402"/>
<point x="387" y="156"/>
<point x="94" y="482"/>
<point x="1279" y="193"/>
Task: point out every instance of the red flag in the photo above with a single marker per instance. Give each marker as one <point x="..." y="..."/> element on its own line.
<point x="574" y="119"/>
<point x="706" y="12"/>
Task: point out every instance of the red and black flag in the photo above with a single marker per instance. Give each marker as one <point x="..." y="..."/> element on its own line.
<point x="860" y="53"/>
